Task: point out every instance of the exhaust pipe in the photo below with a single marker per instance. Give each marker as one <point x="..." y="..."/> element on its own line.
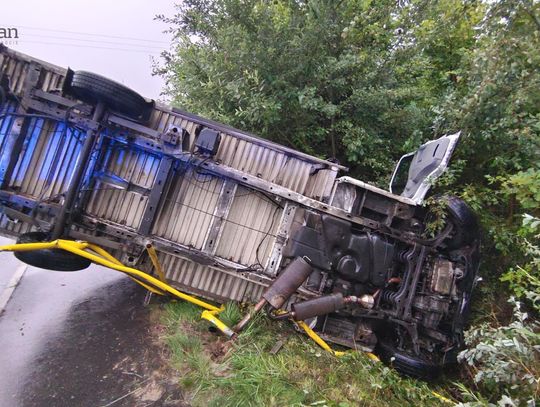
<point x="288" y="282"/>
<point x="300" y="311"/>
<point x="317" y="306"/>
<point x="290" y="279"/>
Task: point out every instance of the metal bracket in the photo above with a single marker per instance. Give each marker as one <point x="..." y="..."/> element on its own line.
<point x="64" y="217"/>
<point x="225" y="200"/>
<point x="173" y="135"/>
<point x="282" y="235"/>
<point x="120" y="121"/>
<point x="155" y="195"/>
<point x="120" y="183"/>
<point x="59" y="100"/>
<point x="14" y="214"/>
<point x="60" y="114"/>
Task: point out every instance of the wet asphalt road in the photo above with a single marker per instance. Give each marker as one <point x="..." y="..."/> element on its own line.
<point x="79" y="339"/>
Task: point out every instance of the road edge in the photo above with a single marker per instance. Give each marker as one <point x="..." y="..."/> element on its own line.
<point x="10" y="288"/>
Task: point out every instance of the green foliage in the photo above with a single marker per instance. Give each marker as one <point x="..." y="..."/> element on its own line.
<point x="336" y="79"/>
<point x="524" y="280"/>
<point x="245" y="373"/>
<point x="525" y="186"/>
<point x="496" y="103"/>
<point x="506" y="359"/>
<point x="231" y="315"/>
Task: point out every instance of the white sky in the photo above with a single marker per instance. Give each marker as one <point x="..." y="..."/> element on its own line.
<point x="127" y="60"/>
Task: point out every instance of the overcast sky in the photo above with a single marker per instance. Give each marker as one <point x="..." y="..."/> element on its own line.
<point x="112" y="38"/>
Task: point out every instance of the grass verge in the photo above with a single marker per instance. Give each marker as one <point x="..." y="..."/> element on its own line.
<point x="216" y="372"/>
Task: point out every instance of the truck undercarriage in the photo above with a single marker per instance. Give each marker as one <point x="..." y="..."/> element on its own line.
<point x="234" y="217"/>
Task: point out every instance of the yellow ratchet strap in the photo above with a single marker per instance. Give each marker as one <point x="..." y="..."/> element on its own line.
<point x="99" y="256"/>
<point x="212" y="318"/>
<point x="155" y="261"/>
<point x="322" y="343"/>
<point x="318" y="340"/>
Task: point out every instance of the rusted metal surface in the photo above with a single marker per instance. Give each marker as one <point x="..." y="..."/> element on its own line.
<point x="290" y="279"/>
<point x="317" y="306"/>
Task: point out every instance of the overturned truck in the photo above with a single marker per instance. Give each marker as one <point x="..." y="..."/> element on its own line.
<point x="234" y="217"/>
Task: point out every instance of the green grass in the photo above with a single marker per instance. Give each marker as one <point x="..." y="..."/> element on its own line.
<point x="215" y="372"/>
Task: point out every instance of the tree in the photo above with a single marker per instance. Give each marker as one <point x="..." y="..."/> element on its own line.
<point x="333" y="78"/>
<point x="497" y="104"/>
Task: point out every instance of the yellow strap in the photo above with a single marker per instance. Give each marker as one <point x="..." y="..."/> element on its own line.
<point x="155" y="261"/>
<point x="211" y="317"/>
<point x="442" y="398"/>
<point x="137" y="273"/>
<point x="105" y="259"/>
<point x="104" y="253"/>
<point x="373" y="357"/>
<point x="320" y="341"/>
<point x="28" y="247"/>
<point x="148" y="287"/>
<point x="102" y="257"/>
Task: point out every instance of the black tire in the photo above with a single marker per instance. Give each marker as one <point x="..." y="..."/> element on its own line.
<point x="92" y="88"/>
<point x="408" y="364"/>
<point x="466" y="228"/>
<point x="50" y="259"/>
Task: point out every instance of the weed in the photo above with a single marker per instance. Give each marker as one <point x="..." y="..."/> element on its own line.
<point x="300" y="374"/>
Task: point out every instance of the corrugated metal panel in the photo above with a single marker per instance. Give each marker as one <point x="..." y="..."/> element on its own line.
<point x="5" y="124"/>
<point x="16" y="69"/>
<point x="243" y="154"/>
<point x="320" y="184"/>
<point x="16" y="228"/>
<point x="46" y="164"/>
<point x="51" y="80"/>
<point x="189" y="207"/>
<point x="191" y="198"/>
<point x="124" y="207"/>
<point x="250" y="228"/>
<point x="51" y="76"/>
<point x="203" y="279"/>
<point x="264" y="163"/>
<point x="161" y="121"/>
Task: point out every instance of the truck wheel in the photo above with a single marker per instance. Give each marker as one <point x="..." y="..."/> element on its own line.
<point x="50" y="259"/>
<point x="408" y="364"/>
<point x="92" y="88"/>
<point x="466" y="229"/>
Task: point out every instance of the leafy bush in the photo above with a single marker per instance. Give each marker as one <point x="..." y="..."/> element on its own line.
<point x="524" y="280"/>
<point x="505" y="360"/>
